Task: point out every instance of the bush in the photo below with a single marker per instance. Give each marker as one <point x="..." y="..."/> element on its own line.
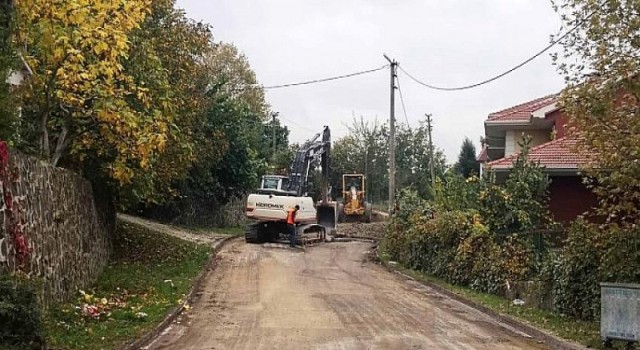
<point x="456" y="193"/>
<point x="20" y="317"/>
<point x="418" y="241"/>
<point x="592" y="255"/>
<point x="455" y="246"/>
<point x="522" y="202"/>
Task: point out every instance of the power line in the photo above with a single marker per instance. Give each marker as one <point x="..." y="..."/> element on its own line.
<point x="315" y="81"/>
<point x="267" y="123"/>
<point x="520" y="65"/>
<point x="404" y="109"/>
<point x="297" y="124"/>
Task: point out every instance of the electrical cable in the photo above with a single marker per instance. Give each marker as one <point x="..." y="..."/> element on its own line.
<point x="404" y="109"/>
<point x="315" y="81"/>
<point x="298" y="124"/>
<point x="520" y="65"/>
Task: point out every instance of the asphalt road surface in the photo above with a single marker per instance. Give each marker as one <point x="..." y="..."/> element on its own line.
<point x="327" y="297"/>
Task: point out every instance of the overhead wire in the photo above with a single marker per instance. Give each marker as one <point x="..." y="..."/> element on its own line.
<point x="404" y="108"/>
<point x="509" y="71"/>
<point x="269" y="122"/>
<point x="316" y="81"/>
<point x="297" y="124"/>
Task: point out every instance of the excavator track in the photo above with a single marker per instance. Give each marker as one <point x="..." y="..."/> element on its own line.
<point x="252" y="234"/>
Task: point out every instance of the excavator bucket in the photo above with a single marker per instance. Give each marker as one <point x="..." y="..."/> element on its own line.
<point x="327" y="216"/>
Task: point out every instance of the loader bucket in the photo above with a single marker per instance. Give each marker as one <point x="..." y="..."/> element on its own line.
<point x="326" y="216"/>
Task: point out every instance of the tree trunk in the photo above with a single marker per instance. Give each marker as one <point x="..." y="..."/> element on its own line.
<point x="61" y="145"/>
<point x="45" y="152"/>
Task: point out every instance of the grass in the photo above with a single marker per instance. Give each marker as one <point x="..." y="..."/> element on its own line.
<point x="231" y="230"/>
<point x="149" y="275"/>
<point x="586" y="333"/>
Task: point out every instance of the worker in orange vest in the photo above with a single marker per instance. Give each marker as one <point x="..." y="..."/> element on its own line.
<point x="291" y="224"/>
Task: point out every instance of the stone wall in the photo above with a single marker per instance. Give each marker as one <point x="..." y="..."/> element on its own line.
<point x="68" y="233"/>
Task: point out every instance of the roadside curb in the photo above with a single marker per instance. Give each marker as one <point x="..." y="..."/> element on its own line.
<point x="197" y="284"/>
<point x="553" y="341"/>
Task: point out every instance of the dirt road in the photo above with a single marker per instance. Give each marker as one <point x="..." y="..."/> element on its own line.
<point x="329" y="297"/>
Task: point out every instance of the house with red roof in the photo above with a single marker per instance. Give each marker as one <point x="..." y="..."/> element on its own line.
<point x="551" y="146"/>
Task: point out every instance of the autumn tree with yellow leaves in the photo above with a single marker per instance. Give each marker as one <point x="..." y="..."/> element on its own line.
<point x="81" y="100"/>
<point x="135" y="95"/>
<point x="601" y="64"/>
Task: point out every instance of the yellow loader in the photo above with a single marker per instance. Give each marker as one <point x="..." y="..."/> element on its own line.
<point x="354" y="207"/>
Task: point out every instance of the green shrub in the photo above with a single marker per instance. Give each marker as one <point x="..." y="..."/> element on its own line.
<point x="455" y="193"/>
<point x="20" y="317"/>
<point x="471" y="254"/>
<point x="455" y="246"/>
<point x="522" y="202"/>
<point x="417" y="240"/>
<point x="592" y="255"/>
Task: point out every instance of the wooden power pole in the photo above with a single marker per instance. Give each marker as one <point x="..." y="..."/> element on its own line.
<point x="273" y="132"/>
<point x="392" y="137"/>
<point x="431" y="161"/>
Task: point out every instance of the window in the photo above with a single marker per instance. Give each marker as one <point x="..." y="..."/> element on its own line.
<point x="353" y="181"/>
<point x="270" y="183"/>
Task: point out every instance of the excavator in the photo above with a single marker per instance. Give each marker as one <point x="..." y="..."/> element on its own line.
<point x="267" y="207"/>
<point x="354" y="206"/>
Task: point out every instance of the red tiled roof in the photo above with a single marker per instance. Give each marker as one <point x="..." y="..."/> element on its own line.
<point x="483" y="157"/>
<point x="557" y="154"/>
<point x="522" y="112"/>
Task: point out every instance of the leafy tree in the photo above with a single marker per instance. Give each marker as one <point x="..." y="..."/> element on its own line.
<point x="236" y="111"/>
<point x="7" y="65"/>
<point x="279" y="164"/>
<point x="282" y="142"/>
<point x="467" y="164"/>
<point x="522" y="202"/>
<point x="601" y="62"/>
<point x="235" y="78"/>
<point x="456" y="193"/>
<point x="417" y="173"/>
<point x="228" y="139"/>
<point x="168" y="56"/>
<point x="80" y="98"/>
<point x="365" y="150"/>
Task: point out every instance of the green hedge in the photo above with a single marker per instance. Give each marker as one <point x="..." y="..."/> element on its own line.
<point x="592" y="254"/>
<point x="455" y="247"/>
<point x="20" y="316"/>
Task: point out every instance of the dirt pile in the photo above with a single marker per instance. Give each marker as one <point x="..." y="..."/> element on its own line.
<point x="372" y="230"/>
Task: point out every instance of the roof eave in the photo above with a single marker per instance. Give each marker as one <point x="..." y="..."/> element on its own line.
<point x="551" y="171"/>
<point x="507" y="122"/>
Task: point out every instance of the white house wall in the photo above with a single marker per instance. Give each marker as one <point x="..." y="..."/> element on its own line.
<point x="512" y="138"/>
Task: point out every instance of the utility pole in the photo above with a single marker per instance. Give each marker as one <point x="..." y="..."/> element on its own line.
<point x="392" y="136"/>
<point x="431" y="161"/>
<point x="273" y="131"/>
<point x="366" y="173"/>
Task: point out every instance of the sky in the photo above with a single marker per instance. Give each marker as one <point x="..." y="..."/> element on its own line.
<point x="445" y="43"/>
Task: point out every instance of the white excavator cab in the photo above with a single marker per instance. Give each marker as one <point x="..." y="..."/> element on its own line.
<point x="274" y="183"/>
